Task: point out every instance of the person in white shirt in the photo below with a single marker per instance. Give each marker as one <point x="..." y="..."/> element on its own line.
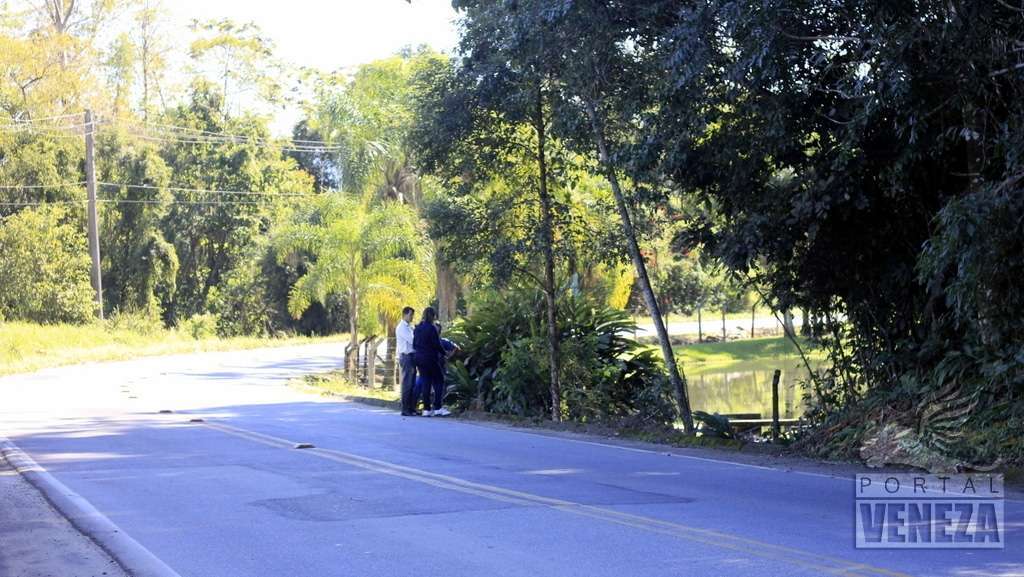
<point x="406" y="362"/>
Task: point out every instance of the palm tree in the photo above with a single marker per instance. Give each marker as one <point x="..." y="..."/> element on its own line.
<point x="372" y="255"/>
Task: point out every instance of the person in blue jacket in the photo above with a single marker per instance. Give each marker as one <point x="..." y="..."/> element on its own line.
<point x="427" y="354"/>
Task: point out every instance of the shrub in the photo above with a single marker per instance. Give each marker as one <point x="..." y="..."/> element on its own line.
<point x="606" y="375"/>
<point x="199" y="327"/>
<point x="44" y="267"/>
<point x="136" y="321"/>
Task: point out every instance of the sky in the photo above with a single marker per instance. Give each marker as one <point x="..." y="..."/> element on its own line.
<point x="329" y="34"/>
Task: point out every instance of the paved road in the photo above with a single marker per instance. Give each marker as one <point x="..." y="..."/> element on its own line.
<point x="386" y="495"/>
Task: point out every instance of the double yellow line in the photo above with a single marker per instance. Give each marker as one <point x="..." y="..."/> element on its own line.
<point x="825" y="564"/>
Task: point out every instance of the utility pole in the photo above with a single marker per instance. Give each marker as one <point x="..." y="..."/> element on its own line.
<point x="94" y="236"/>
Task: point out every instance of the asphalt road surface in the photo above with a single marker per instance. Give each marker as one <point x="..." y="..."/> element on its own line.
<point x="380" y="494"/>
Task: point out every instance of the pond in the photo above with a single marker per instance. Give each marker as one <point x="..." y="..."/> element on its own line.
<point x="746" y="387"/>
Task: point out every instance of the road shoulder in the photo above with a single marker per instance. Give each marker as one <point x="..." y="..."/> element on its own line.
<point x="38" y="541"/>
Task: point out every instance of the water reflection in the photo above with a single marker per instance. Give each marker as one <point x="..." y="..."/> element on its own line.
<point x="746" y="388"/>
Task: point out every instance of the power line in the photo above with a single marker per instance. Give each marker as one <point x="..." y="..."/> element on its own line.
<point x="176" y="128"/>
<point x="55" y="117"/>
<point x="62" y="185"/>
<point x="166" y="133"/>
<point x="41" y="202"/>
<point x="204" y="191"/>
<point x="34" y="203"/>
<point x="42" y="119"/>
<point x="54" y="132"/>
<point x="39" y="186"/>
<point x="262" y="143"/>
<point x="170" y="132"/>
<point x="26" y="127"/>
<point x="178" y="201"/>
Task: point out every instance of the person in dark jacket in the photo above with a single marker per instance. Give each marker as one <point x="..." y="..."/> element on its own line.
<point x="427" y="351"/>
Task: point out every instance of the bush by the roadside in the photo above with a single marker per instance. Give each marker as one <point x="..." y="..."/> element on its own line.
<point x="44" y="267"/>
<point x="606" y="376"/>
<point x="199" y="327"/>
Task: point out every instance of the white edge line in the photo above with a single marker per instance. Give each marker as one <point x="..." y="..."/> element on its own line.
<point x="135" y="559"/>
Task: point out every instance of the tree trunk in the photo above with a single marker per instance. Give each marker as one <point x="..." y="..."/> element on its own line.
<point x="389" y="356"/>
<point x="145" y="75"/>
<point x="548" y="240"/>
<point x="676" y="375"/>
<point x="724" y="334"/>
<point x="371" y="362"/>
<point x="574" y="275"/>
<point x="447" y="289"/>
<point x="351" y="359"/>
<point x="787" y="324"/>
<point x="700" y="324"/>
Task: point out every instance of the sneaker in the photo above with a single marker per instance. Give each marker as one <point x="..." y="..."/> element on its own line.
<point x="428" y="413"/>
<point x="442" y="412"/>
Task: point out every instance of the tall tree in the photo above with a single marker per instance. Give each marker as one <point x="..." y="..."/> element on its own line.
<point x="865" y="162"/>
<point x="585" y="50"/>
<point x="140" y="265"/>
<point x="502" y="94"/>
<point x="211" y="231"/>
<point x="369" y="115"/>
<point x="241" y="58"/>
<point x="152" y="52"/>
<point x="370" y="255"/>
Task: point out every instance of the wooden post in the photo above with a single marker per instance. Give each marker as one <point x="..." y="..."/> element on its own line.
<point x="775" y="405"/>
<point x="94" y="237"/>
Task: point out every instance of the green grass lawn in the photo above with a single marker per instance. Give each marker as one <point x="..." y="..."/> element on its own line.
<point x="743" y="350"/>
<point x="27" y="347"/>
<point x="708" y="316"/>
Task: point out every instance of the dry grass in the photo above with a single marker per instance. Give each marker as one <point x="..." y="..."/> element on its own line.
<point x="26" y="347"/>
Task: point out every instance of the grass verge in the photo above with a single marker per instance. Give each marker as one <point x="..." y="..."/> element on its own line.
<point x="335" y="384"/>
<point x="26" y="347"/>
<point x="744" y="350"/>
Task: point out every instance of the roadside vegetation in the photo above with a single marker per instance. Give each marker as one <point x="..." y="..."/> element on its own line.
<point x="26" y="347"/>
<point x="337" y="383"/>
<point x="570" y="166"/>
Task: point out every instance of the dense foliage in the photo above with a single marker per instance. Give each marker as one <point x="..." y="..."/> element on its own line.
<point x="198" y="203"/>
<point x="606" y="376"/>
<point x="45" y="268"/>
<point x="861" y="160"/>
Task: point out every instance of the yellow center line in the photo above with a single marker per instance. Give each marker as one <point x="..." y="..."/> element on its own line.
<point x="828" y="564"/>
